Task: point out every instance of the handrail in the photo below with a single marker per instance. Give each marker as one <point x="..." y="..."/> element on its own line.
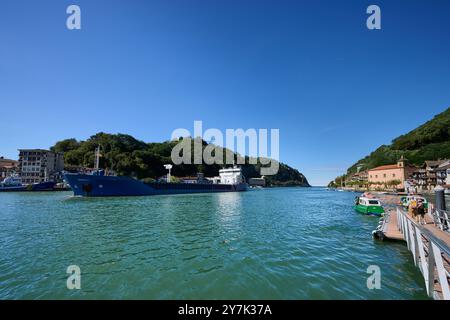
<point x="441" y="219"/>
<point x="414" y="234"/>
<point x="431" y="237"/>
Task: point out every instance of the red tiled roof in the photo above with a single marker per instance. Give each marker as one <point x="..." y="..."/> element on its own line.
<point x="386" y="167"/>
<point x="7" y="167"/>
<point x="8" y="161"/>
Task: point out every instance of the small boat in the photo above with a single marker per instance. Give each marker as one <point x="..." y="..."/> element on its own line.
<point x="42" y="186"/>
<point x="404" y="201"/>
<point x="369" y="206"/>
<point x="12" y="183"/>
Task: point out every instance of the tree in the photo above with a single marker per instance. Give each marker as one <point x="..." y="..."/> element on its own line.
<point x="430" y="141"/>
<point x="131" y="157"/>
<point x="65" y="145"/>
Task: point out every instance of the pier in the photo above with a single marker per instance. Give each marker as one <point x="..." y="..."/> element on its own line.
<point x="429" y="244"/>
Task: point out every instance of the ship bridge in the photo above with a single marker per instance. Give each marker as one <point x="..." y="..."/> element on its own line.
<point x="231" y="176"/>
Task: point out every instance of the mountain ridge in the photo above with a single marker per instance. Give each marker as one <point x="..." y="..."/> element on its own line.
<point x="429" y="141"/>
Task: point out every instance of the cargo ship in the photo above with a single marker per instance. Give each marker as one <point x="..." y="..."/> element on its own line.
<point x="97" y="184"/>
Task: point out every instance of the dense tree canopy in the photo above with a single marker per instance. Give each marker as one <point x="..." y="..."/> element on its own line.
<point x="434" y="131"/>
<point x="430" y="141"/>
<point x="129" y="156"/>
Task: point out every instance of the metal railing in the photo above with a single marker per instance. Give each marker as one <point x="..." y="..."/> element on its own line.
<point x="431" y="255"/>
<point x="441" y="219"/>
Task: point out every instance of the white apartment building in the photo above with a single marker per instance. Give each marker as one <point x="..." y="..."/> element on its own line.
<point x="38" y="165"/>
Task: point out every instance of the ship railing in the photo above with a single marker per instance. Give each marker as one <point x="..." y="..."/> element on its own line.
<point x="431" y="255"/>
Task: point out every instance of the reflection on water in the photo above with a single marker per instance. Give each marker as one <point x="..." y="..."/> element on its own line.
<point x="229" y="208"/>
<point x="290" y="243"/>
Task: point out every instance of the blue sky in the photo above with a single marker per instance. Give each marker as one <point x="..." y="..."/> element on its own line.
<point x="312" y="69"/>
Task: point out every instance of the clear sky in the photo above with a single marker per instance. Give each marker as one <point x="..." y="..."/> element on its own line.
<point x="312" y="69"/>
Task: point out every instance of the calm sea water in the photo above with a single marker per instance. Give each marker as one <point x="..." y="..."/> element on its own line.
<point x="286" y="243"/>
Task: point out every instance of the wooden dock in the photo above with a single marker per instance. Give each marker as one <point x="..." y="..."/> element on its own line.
<point x="390" y="230"/>
<point x="429" y="245"/>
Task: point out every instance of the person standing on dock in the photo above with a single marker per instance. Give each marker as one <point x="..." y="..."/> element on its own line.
<point x="412" y="208"/>
<point x="421" y="211"/>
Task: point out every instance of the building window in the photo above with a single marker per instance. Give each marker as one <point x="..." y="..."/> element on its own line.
<point x="376" y="176"/>
<point x="393" y="175"/>
<point x="384" y="175"/>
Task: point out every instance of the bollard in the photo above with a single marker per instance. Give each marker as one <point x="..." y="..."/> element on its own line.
<point x="440" y="197"/>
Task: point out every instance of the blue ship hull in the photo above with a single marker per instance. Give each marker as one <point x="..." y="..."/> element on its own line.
<point x="114" y="186"/>
<point x="12" y="189"/>
<point x="43" y="186"/>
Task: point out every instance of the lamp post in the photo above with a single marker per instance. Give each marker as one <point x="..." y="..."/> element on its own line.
<point x="168" y="167"/>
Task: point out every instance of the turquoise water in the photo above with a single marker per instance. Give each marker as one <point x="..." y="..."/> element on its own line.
<point x="284" y="243"/>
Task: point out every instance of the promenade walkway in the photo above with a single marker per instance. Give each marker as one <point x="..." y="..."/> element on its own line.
<point x="429" y="245"/>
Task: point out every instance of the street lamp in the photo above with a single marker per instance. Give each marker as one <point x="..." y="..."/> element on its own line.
<point x="168" y="167"/>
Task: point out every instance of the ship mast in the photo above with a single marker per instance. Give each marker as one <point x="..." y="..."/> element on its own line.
<point x="97" y="157"/>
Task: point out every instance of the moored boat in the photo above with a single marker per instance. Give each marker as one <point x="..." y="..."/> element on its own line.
<point x="42" y="186"/>
<point x="406" y="200"/>
<point x="12" y="183"/>
<point x="100" y="185"/>
<point x="369" y="206"/>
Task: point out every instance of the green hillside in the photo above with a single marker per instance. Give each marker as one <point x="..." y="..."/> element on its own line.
<point x="430" y="141"/>
<point x="131" y="157"/>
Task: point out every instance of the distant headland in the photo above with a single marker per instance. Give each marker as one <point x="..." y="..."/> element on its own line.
<point x="131" y="157"/>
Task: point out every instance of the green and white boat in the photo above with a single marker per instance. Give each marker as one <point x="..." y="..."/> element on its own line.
<point x="404" y="201"/>
<point x="369" y="206"/>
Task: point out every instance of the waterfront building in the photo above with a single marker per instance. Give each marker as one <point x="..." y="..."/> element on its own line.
<point x="7" y="166"/>
<point x="361" y="177"/>
<point x="385" y="175"/>
<point x="447" y="180"/>
<point x="430" y="175"/>
<point x="441" y="172"/>
<point x="430" y="168"/>
<point x="38" y="165"/>
<point x="419" y="179"/>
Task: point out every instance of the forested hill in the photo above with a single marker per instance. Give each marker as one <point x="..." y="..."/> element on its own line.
<point x="430" y="141"/>
<point x="129" y="156"/>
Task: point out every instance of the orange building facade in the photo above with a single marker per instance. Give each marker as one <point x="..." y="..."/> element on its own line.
<point x="384" y="175"/>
